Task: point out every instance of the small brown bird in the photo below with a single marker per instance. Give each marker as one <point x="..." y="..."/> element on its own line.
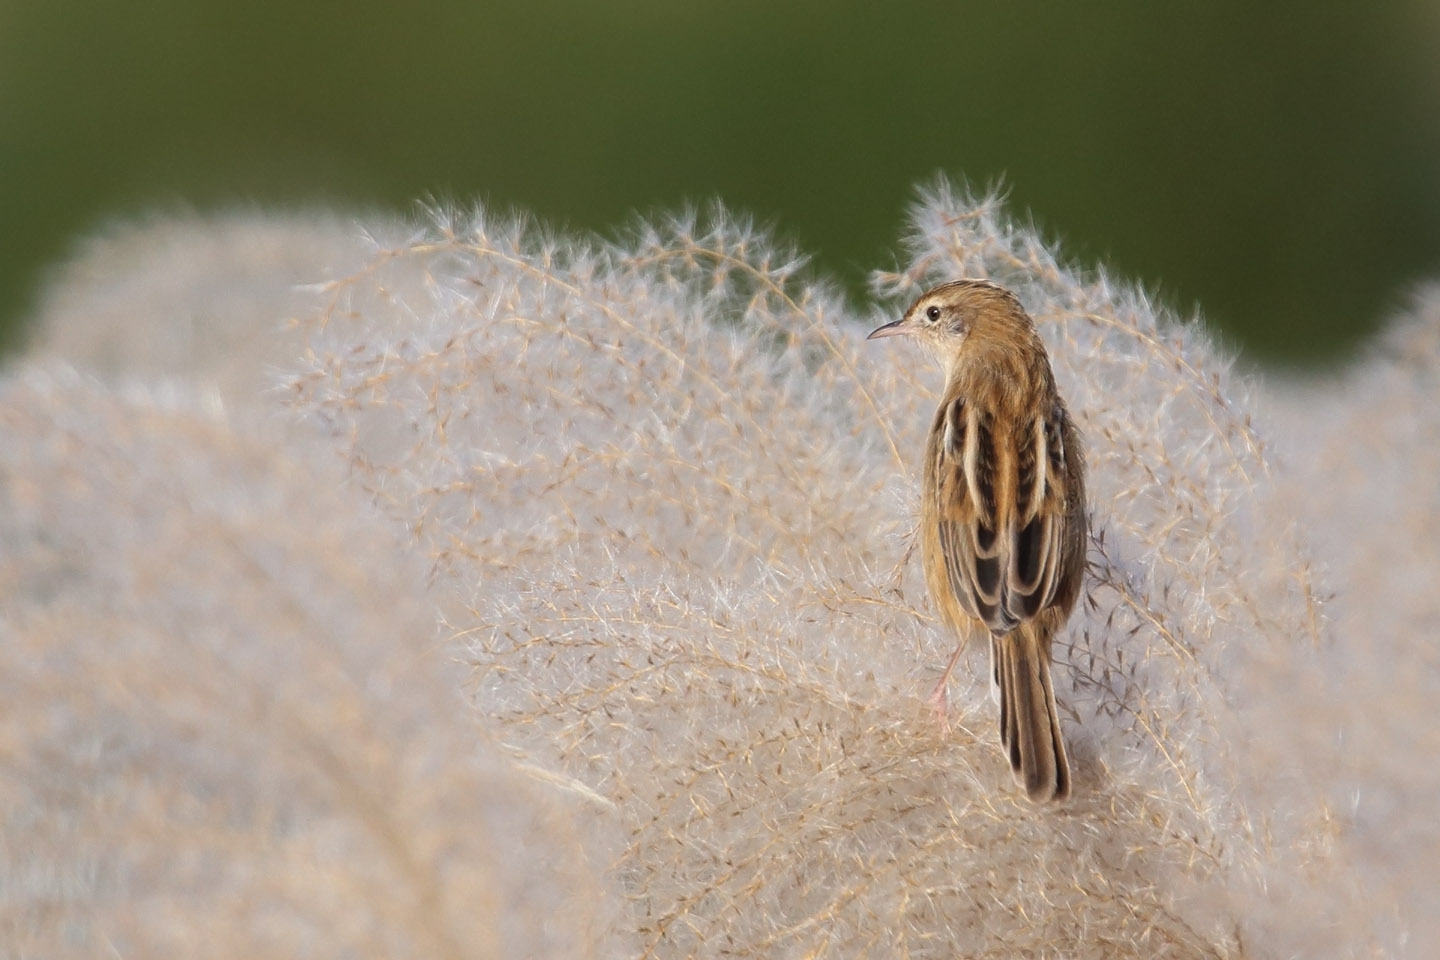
<point x="1003" y="526"/>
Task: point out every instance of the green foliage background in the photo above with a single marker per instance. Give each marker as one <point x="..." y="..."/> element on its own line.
<point x="1276" y="164"/>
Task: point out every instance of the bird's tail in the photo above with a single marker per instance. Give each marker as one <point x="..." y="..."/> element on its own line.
<point x="1029" y="723"/>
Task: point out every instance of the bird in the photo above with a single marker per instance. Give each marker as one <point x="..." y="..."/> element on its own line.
<point x="1003" y="517"/>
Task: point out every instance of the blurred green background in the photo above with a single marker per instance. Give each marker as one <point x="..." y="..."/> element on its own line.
<point x="1277" y="165"/>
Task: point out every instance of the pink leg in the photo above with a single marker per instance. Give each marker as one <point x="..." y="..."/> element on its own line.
<point x="937" y="700"/>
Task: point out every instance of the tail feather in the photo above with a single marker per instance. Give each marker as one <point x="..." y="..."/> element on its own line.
<point x="1029" y="722"/>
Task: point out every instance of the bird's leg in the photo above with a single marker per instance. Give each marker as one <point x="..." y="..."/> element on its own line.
<point x="938" y="701"/>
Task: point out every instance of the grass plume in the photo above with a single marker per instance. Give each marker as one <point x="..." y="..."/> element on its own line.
<point x="662" y="497"/>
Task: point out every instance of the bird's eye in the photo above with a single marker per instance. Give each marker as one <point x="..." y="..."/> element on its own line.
<point x="933" y="313"/>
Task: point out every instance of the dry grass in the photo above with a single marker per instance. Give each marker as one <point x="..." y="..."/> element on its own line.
<point x="225" y="734"/>
<point x="177" y="297"/>
<point x="663" y="495"/>
<point x="1362" y="457"/>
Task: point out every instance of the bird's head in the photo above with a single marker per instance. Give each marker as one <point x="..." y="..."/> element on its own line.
<point x="948" y="319"/>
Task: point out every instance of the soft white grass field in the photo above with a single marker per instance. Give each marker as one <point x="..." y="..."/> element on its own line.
<point x="505" y="594"/>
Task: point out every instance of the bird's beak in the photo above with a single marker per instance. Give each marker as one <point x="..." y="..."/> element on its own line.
<point x="895" y="328"/>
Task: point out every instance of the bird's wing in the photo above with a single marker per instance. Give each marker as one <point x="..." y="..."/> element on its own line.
<point x="966" y="516"/>
<point x="1039" y="516"/>
<point x="1000" y="536"/>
